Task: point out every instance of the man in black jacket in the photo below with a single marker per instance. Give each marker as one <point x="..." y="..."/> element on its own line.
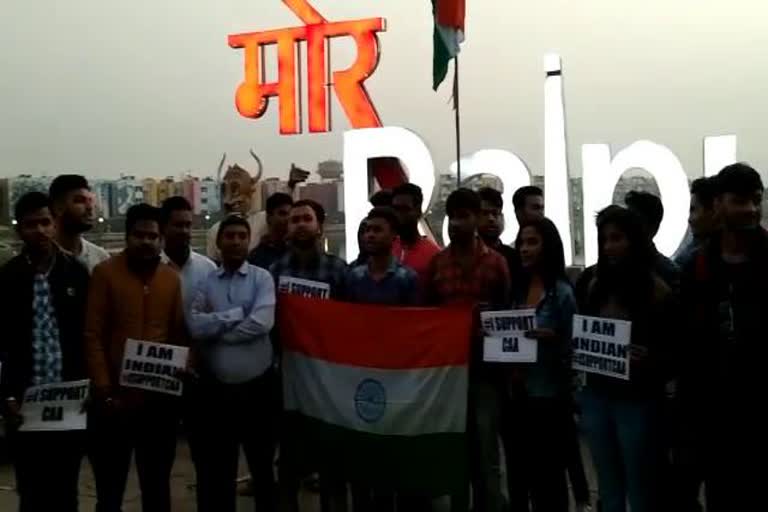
<point x="42" y="311"/>
<point x="723" y="381"/>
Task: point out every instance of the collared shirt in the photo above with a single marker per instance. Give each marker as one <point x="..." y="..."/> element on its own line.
<point x="258" y="223"/>
<point x="417" y="256"/>
<point x="193" y="273"/>
<point x="232" y="315"/>
<point x="399" y="286"/>
<point x="325" y="268"/>
<point x="267" y="252"/>
<point x="485" y="282"/>
<point x="46" y="348"/>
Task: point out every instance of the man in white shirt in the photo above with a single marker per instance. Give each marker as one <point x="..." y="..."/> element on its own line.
<point x="72" y="203"/>
<point x="176" y="225"/>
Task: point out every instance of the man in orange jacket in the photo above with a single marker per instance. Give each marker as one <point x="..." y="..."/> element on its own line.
<point x="132" y="296"/>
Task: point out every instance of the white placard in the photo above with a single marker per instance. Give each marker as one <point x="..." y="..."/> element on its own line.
<point x="601" y="346"/>
<point x="153" y="366"/>
<point x="304" y="287"/>
<point x="55" y="407"/>
<point x="505" y="340"/>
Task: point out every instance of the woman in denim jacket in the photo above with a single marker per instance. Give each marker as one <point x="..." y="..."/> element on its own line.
<point x="536" y="418"/>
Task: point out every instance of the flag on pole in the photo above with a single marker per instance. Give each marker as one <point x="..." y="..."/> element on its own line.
<point x="447" y="36"/>
<point x="376" y="394"/>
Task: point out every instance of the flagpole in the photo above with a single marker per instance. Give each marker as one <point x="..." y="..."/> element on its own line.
<point x="457" y="113"/>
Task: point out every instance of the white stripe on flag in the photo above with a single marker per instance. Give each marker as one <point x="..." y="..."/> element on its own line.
<point x="452" y="39"/>
<point x="388" y="402"/>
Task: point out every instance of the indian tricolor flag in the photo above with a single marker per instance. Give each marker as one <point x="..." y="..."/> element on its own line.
<point x="375" y="394"/>
<point x="447" y="36"/>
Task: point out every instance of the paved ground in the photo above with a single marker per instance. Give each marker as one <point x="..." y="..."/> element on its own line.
<point x="182" y="481"/>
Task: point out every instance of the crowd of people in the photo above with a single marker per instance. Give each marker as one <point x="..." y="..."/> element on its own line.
<point x="687" y="419"/>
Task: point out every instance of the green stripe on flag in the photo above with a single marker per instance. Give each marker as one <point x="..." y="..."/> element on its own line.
<point x="430" y="464"/>
<point x="442" y="54"/>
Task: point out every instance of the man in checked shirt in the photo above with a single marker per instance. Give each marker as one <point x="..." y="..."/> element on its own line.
<point x="468" y="272"/>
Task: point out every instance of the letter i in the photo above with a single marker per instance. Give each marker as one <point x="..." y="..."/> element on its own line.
<point x="556" y="182"/>
<point x="140" y="349"/>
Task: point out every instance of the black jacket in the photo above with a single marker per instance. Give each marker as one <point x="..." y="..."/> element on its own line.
<point x="655" y="327"/>
<point x="69" y="287"/>
<point x="727" y="342"/>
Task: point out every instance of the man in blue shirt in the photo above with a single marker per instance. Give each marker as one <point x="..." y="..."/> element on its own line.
<point x="382" y="279"/>
<point x="232" y="315"/>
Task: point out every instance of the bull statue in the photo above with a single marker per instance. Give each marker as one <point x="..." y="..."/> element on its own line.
<point x="239" y="196"/>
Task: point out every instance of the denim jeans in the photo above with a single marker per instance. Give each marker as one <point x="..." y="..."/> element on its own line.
<point x="624" y="437"/>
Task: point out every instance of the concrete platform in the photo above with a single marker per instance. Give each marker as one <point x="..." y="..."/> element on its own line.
<point x="182" y="486"/>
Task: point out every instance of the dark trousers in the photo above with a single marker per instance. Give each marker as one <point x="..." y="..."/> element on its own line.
<point x="47" y="466"/>
<point x="535" y="435"/>
<point x="733" y="442"/>
<point x="149" y="432"/>
<point x="365" y="499"/>
<point x="575" y="464"/>
<point x="226" y="417"/>
<point x="483" y="423"/>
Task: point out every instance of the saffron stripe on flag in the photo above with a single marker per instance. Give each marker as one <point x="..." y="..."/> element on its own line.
<point x="451" y="13"/>
<point x="356" y="341"/>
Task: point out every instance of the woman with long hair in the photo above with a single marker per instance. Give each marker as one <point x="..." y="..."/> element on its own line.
<point x="621" y="418"/>
<point x="536" y="417"/>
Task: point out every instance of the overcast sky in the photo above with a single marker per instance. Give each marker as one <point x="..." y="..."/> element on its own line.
<point x="147" y="86"/>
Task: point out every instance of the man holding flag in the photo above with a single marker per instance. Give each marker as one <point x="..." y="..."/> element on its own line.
<point x="381" y="280"/>
<point x="469" y="273"/>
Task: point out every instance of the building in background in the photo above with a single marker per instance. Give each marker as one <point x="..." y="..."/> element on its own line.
<point x="330" y="191"/>
<point x="151" y="191"/>
<point x="127" y="191"/>
<point x="268" y="187"/>
<point x="190" y="190"/>
<point x="330" y="170"/>
<point x="102" y="194"/>
<point x="5" y="202"/>
<point x="327" y="194"/>
<point x="11" y="189"/>
<point x="166" y="188"/>
<point x="210" y="198"/>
